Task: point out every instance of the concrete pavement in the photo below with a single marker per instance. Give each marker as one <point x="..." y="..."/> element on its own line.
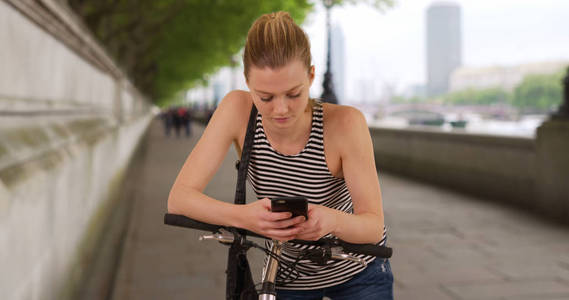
<point x="446" y="245"/>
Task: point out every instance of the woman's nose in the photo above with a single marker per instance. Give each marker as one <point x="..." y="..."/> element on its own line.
<point x="281" y="106"/>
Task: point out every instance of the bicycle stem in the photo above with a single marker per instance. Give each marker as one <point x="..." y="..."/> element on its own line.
<point x="268" y="291"/>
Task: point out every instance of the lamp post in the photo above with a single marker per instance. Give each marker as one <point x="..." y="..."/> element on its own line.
<point x="563" y="112"/>
<point x="328" y="94"/>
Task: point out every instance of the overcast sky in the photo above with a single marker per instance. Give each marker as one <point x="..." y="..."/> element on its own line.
<point x="388" y="48"/>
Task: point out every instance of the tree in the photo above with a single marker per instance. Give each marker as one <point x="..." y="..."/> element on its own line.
<point x="477" y="97"/>
<point x="539" y="93"/>
<point x="166" y="46"/>
<point x="379" y="4"/>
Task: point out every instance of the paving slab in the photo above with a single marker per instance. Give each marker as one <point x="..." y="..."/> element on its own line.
<point x="424" y="293"/>
<point x="536" y="289"/>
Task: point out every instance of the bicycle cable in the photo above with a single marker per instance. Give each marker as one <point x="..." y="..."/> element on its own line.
<point x="255" y="288"/>
<point x="286" y="269"/>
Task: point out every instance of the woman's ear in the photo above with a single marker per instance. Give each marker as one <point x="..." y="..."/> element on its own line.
<point x="311" y="74"/>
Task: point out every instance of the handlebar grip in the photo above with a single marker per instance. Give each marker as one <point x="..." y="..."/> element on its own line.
<point x="183" y="221"/>
<point x="367" y="249"/>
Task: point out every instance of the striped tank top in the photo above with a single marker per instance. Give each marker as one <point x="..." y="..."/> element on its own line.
<point x="305" y="174"/>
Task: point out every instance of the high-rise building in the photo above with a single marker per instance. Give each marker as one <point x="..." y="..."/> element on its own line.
<point x="337" y="55"/>
<point x="444" y="49"/>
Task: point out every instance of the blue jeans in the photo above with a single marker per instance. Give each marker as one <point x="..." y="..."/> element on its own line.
<point x="375" y="282"/>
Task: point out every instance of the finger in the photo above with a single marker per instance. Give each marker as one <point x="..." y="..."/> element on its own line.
<point x="283" y="233"/>
<point x="266" y="203"/>
<point x="290" y="222"/>
<point x="299" y="219"/>
<point x="277" y="216"/>
<point x="307" y="229"/>
<point x="307" y="224"/>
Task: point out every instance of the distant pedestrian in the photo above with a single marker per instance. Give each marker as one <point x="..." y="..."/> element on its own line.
<point x="177" y="120"/>
<point x="166" y="118"/>
<point x="187" y="121"/>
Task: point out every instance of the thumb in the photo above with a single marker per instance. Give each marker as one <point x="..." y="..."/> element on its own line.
<point x="266" y="203"/>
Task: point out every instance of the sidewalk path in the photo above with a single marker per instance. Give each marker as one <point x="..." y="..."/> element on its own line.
<point x="446" y="245"/>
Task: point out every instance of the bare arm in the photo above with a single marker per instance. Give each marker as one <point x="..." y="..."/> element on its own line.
<point x="358" y="165"/>
<point x="353" y="141"/>
<point x="187" y="197"/>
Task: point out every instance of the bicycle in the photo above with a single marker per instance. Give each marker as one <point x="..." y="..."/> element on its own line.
<point x="327" y="249"/>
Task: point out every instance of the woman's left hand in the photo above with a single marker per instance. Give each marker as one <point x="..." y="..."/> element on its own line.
<point x="321" y="221"/>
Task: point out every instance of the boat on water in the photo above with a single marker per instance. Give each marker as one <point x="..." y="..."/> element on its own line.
<point x="458" y="123"/>
<point x="427" y="122"/>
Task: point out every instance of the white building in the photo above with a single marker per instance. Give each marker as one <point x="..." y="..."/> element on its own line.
<point x="506" y="77"/>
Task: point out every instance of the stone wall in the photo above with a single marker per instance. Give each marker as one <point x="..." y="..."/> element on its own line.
<point x="552" y="145"/>
<point x="69" y="124"/>
<point x="512" y="170"/>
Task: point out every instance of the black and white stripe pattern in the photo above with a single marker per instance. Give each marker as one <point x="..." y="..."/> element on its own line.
<point x="306" y="174"/>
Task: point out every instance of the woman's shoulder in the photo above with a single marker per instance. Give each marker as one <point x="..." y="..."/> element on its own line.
<point x="345" y="127"/>
<point x="235" y="105"/>
<point x="237" y="100"/>
<point x="233" y="112"/>
<point x="342" y="117"/>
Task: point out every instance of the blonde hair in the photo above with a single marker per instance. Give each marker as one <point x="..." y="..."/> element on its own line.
<point x="273" y="41"/>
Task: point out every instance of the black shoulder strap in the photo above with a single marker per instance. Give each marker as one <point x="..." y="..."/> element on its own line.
<point x="239" y="282"/>
<point x="243" y="164"/>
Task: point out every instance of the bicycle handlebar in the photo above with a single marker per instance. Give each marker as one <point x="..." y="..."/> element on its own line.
<point x="183" y="221"/>
<point x="366" y="249"/>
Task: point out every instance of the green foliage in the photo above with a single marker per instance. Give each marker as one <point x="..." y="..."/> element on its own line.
<point x="539" y="92"/>
<point x="379" y="4"/>
<point x="477" y="97"/>
<point x="199" y="43"/>
<point x="166" y="46"/>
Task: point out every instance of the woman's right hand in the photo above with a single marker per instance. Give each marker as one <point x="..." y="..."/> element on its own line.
<point x="257" y="217"/>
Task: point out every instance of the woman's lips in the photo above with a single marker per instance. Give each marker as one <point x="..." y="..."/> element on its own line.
<point x="281" y="119"/>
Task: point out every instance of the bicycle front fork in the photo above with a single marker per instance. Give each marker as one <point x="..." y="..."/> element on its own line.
<point x="268" y="291"/>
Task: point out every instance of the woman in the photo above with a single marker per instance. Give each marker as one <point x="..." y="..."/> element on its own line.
<point x="301" y="148"/>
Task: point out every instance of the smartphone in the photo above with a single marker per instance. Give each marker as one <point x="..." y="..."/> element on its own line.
<point x="298" y="206"/>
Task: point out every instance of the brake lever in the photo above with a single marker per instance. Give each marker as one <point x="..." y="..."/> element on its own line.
<point x="223" y="236"/>
<point x="338" y="254"/>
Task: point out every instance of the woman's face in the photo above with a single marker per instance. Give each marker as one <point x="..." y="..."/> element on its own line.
<point x="281" y="95"/>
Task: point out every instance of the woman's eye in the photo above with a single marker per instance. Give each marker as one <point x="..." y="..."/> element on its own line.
<point x="294" y="96"/>
<point x="266" y="99"/>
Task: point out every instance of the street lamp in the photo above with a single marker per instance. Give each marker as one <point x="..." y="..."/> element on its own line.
<point x="328" y="94"/>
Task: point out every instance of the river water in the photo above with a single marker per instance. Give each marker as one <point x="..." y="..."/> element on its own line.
<point x="525" y="127"/>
